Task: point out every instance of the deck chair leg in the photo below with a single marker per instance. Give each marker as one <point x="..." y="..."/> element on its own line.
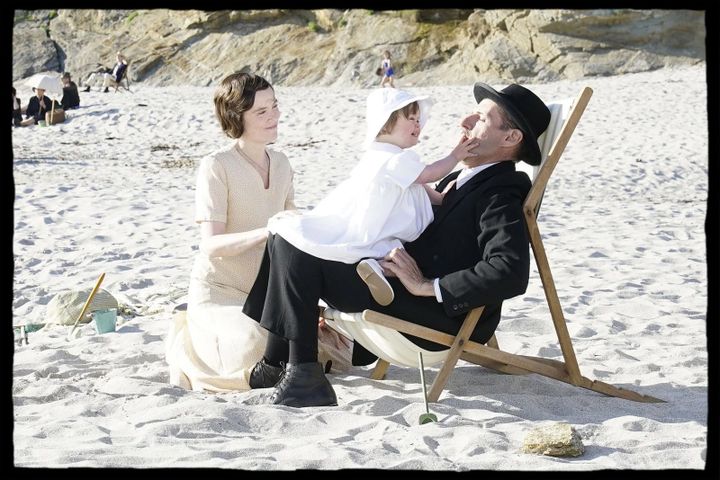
<point x="556" y="313"/>
<point x="456" y="350"/>
<point x="380" y="369"/>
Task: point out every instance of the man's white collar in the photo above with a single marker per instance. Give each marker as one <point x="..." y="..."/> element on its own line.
<point x="467" y="173"/>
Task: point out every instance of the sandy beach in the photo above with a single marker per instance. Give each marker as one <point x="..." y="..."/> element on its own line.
<point x="111" y="190"/>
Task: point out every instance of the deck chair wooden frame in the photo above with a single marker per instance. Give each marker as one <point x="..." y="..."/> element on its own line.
<point x="490" y="355"/>
<point x="125" y="79"/>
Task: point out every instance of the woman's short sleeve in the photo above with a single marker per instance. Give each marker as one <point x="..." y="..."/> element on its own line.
<point x="404" y="168"/>
<point x="211" y="192"/>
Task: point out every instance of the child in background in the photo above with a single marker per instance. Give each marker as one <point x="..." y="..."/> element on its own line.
<point x="387" y="71"/>
<point x="385" y="201"/>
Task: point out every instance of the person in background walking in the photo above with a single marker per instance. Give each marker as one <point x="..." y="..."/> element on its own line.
<point x="387" y="71"/>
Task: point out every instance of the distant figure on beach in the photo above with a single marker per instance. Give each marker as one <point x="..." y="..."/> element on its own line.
<point x="17" y="109"/>
<point x="386" y="200"/>
<point x="108" y="79"/>
<point x="37" y="107"/>
<point x="388" y="73"/>
<point x="475" y="252"/>
<point x="71" y="96"/>
<point x="213" y="345"/>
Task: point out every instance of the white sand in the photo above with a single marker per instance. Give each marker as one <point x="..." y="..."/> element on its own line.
<point x="623" y="224"/>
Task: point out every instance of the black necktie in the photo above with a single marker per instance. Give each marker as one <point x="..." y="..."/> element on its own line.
<point x="450" y="193"/>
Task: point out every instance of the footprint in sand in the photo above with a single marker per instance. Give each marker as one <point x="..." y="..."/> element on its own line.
<point x="618" y="326"/>
<point x="141" y="284"/>
<point x="585" y="332"/>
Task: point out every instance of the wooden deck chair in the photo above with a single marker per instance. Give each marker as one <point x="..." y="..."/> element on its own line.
<point x="124" y="79"/>
<point x="380" y="333"/>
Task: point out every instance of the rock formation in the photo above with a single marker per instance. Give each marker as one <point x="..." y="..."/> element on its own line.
<point x="336" y="47"/>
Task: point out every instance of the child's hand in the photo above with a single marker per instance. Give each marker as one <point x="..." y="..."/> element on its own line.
<point x="462" y="150"/>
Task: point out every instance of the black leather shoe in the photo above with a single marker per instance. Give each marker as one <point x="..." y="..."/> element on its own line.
<point x="264" y="375"/>
<point x="304" y="385"/>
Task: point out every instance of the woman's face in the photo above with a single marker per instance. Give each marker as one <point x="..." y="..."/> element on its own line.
<point x="261" y="121"/>
<point x="40" y="92"/>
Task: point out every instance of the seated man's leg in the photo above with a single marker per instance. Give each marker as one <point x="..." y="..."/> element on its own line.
<point x="108" y="81"/>
<point x="284" y="298"/>
<point x="348" y="293"/>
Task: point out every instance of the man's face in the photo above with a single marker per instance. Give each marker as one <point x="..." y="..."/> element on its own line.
<point x="486" y="125"/>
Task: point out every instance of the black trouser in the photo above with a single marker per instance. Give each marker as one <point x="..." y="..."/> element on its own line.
<point x="285" y="295"/>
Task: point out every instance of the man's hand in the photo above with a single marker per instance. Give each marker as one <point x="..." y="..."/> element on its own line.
<point x="400" y="264"/>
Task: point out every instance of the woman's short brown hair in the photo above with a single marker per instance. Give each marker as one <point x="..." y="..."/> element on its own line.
<point x="234" y="96"/>
<point x="409" y="109"/>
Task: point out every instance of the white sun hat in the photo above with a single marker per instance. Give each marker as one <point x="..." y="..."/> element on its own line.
<point x="383" y="101"/>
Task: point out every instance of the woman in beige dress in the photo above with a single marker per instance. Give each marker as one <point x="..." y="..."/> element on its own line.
<point x="213" y="346"/>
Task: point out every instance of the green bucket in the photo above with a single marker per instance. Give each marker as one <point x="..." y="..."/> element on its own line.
<point x="105" y="320"/>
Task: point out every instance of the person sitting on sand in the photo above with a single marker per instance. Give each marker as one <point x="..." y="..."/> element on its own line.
<point x="71" y="97"/>
<point x="475" y="252"/>
<point x="213" y="345"/>
<point x="38" y="106"/>
<point x="17" y="109"/>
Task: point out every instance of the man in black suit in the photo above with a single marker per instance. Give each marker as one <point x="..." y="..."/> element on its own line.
<point x="475" y="252"/>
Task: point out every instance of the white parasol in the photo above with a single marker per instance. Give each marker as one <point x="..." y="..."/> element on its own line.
<point x="49" y="83"/>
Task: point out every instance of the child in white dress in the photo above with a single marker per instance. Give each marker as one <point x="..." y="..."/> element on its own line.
<point x="385" y="201"/>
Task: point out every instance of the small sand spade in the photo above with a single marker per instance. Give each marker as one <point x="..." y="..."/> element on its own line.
<point x="87" y="304"/>
<point x="426" y="417"/>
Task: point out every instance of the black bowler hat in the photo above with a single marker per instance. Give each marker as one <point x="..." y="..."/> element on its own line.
<point x="528" y="112"/>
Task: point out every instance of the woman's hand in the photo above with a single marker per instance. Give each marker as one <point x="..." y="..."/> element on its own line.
<point x="400" y="264"/>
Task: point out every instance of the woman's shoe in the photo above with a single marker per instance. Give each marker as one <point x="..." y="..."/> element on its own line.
<point x="304" y="385"/>
<point x="264" y="375"/>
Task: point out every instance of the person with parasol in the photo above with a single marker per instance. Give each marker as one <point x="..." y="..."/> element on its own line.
<point x="40" y="104"/>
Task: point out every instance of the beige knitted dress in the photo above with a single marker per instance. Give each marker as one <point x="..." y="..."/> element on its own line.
<point x="214" y="345"/>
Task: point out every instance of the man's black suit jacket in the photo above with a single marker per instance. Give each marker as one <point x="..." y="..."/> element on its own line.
<point x="478" y="243"/>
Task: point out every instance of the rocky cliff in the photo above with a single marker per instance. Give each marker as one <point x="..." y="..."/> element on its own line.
<point x="343" y="47"/>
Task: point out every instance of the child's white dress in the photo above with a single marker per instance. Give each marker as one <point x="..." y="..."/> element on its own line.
<point x="375" y="210"/>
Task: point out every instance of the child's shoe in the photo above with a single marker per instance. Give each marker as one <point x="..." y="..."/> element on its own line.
<point x="371" y="273"/>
